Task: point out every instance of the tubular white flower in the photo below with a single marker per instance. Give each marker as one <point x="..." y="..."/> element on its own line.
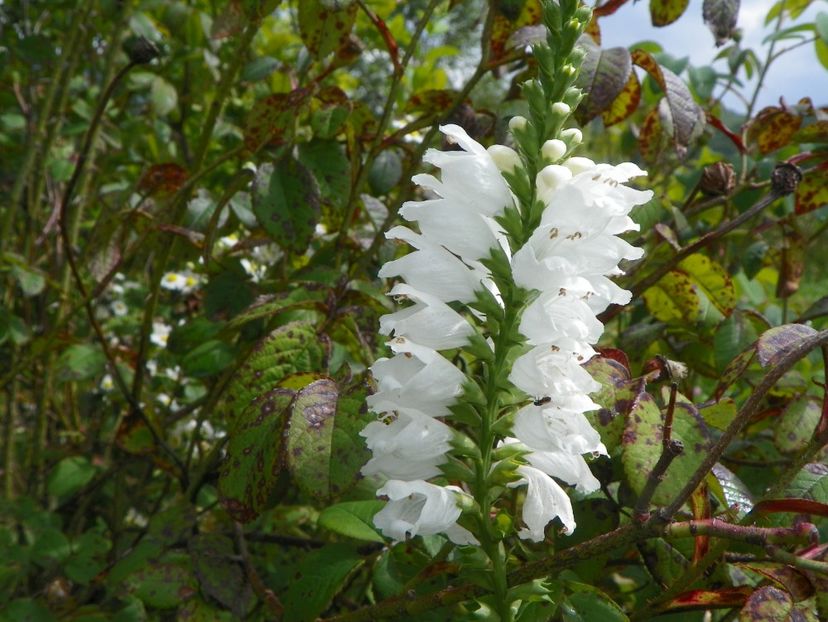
<point x="571" y="468"/>
<point x="545" y="501"/>
<point x="555" y="315"/>
<point x="419" y="508"/>
<point x="429" y="321"/>
<point x="548" y="429"/>
<point x="554" y="371"/>
<point x="432" y="269"/>
<point x="416" y="380"/>
<point x="409" y="448"/>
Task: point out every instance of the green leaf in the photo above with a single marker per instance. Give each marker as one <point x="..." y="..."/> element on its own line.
<point x="286" y="203"/>
<point x="259" y="68"/>
<point x="165" y="583"/>
<point x="386" y="171"/>
<point x="163" y="96"/>
<point x="353" y="519"/>
<point x="327" y="161"/>
<point x="227" y="294"/>
<point x="810" y="483"/>
<point x="220" y="576"/>
<point x="207" y="359"/>
<point x="733" y="336"/>
<point x="796" y="425"/>
<point x="291" y="348"/>
<point x="821" y="25"/>
<point x="31" y="281"/>
<point x="318" y="579"/>
<point x="325" y="27"/>
<point x="26" y="610"/>
<point x="614" y="397"/>
<point x="821" y="51"/>
<point x="719" y="414"/>
<point x="603" y="76"/>
<point x="664" y="12"/>
<point x="734" y="491"/>
<point x="713" y="280"/>
<point x="69" y="475"/>
<point x="81" y="362"/>
<point x="642" y="446"/>
<point x="586" y="603"/>
<point x="254" y="456"/>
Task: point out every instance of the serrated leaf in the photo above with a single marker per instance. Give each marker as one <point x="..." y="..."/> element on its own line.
<point x="289" y="349"/>
<point x="772" y="128"/>
<point x="796" y="425"/>
<point x="353" y="519"/>
<point x="324" y="27"/>
<point x="603" y="76"/>
<point x="775" y="343"/>
<point x="664" y="12"/>
<point x="682" y="116"/>
<point x="810" y="483"/>
<point x="318" y="579"/>
<point x="207" y="359"/>
<point x="286" y="203"/>
<point x="812" y="191"/>
<point x="721" y="16"/>
<point x="734" y="490"/>
<point x="254" y="455"/>
<point x="642" y="446"/>
<point x="309" y="296"/>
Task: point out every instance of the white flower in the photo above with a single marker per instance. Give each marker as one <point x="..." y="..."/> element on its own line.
<point x="184" y="282"/>
<point x="119" y="308"/>
<point x="434" y="270"/>
<point x="549" y="429"/>
<point x="408" y="448"/>
<point x="160" y="334"/>
<point x="571" y="468"/>
<point x="419" y="508"/>
<point x="556" y="315"/>
<point x="429" y="321"/>
<point x="554" y="371"/>
<point x="163" y="399"/>
<point x="545" y="500"/>
<point x="107" y="384"/>
<point x="416" y="380"/>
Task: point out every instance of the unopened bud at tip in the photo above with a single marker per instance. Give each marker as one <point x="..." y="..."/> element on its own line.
<point x="551" y="177"/>
<point x="572" y="136"/>
<point x="517" y="123"/>
<point x="579" y="165"/>
<point x="560" y="108"/>
<point x="553" y="150"/>
<point x="505" y="158"/>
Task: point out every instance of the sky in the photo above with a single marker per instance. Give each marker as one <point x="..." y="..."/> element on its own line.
<point x="792" y="75"/>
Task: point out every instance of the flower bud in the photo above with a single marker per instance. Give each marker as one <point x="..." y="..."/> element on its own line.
<point x="568" y="71"/>
<point x="572" y="137"/>
<point x="561" y="109"/>
<point x="553" y="150"/>
<point x="517" y="123"/>
<point x="718" y="179"/>
<point x="551" y="177"/>
<point x="579" y="165"/>
<point x="505" y="158"/>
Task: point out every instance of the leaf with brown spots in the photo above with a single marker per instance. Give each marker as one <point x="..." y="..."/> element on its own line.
<point x="725" y="598"/>
<point x="772" y="129"/>
<point x="608" y="8"/>
<point x="775" y="343"/>
<point x="603" y="77"/>
<point x="219" y="573"/>
<point x="326" y="27"/>
<point x="162" y="179"/>
<point x="812" y="191"/>
<point x="254" y="456"/>
<point x="286" y="201"/>
<point x="721" y="16"/>
<point x="768" y="604"/>
<point x="816" y="132"/>
<point x="509" y="16"/>
<point x="642" y="445"/>
<point x="615" y="397"/>
<point x="783" y="576"/>
<point x="271" y="120"/>
<point x="430" y="102"/>
<point x="664" y="12"/>
<point x="652" y="139"/>
<point x="713" y="280"/>
<point x="625" y="104"/>
<point x="682" y="117"/>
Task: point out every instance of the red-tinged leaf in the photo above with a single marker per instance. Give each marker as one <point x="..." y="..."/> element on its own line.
<point x="603" y="76"/>
<point x="652" y="139"/>
<point x="772" y="128"/>
<point x="324" y="29"/>
<point x="162" y="179"/>
<point x="793" y="262"/>
<point x="812" y="191"/>
<point x="792" y="506"/>
<point x="816" y="132"/>
<point x="271" y="120"/>
<point x="711" y="599"/>
<point x="700" y="505"/>
<point x="775" y="343"/>
<point x="388" y="38"/>
<point x="682" y="115"/>
<point x="509" y="16"/>
<point x="608" y="8"/>
<point x="615" y="354"/>
<point x="767" y="604"/>
<point x="734" y="138"/>
<point x="663" y="12"/>
<point x="721" y="16"/>
<point x="783" y="576"/>
<point x="625" y="104"/>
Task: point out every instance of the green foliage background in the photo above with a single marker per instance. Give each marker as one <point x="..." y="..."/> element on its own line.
<point x="194" y="201"/>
